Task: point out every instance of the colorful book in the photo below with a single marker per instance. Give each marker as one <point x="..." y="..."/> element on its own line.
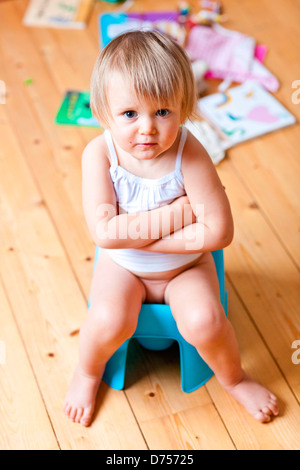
<point x="58" y="13"/>
<point x="114" y="24"/>
<point x="75" y="110"/>
<point x="244" y="112"/>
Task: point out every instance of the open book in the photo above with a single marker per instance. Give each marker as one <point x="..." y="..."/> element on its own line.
<point x="244" y="112"/>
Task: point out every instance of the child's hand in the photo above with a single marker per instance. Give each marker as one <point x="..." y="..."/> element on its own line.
<point x="182" y="200"/>
<point x="188" y="215"/>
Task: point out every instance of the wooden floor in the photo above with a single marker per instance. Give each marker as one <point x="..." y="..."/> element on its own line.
<point x="46" y="256"/>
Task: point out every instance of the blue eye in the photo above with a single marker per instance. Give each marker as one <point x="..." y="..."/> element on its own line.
<point x="130" y="114"/>
<point x="162" y="112"/>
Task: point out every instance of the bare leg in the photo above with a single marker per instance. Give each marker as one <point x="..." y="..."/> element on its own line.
<point x="194" y="300"/>
<point x="116" y="298"/>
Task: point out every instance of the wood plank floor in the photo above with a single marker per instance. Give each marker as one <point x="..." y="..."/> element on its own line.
<point x="46" y="256"/>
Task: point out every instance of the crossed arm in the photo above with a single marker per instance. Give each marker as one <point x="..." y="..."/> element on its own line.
<point x="200" y="221"/>
<point x="212" y="226"/>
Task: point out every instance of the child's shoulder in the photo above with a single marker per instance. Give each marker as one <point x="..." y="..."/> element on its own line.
<point x="194" y="154"/>
<point x="96" y="150"/>
<point x="98" y="143"/>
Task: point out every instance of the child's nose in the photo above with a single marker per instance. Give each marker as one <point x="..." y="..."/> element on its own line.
<point x="147" y="125"/>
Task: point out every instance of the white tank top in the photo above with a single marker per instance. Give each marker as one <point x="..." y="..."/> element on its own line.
<point x="136" y="194"/>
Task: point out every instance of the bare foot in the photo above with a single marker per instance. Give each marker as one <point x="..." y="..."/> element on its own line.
<point x="80" y="399"/>
<point x="256" y="399"/>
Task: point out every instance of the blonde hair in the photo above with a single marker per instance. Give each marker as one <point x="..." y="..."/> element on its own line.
<point x="156" y="66"/>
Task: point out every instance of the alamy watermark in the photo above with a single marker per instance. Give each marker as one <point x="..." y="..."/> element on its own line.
<point x="2" y="92"/>
<point x="296" y="354"/>
<point x="296" y="94"/>
<point x="2" y="353"/>
<point x="149" y="225"/>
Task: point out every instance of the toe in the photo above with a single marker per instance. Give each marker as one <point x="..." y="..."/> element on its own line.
<point x="274" y="407"/>
<point x="262" y="417"/>
<point x="67" y="410"/>
<point x="267" y="411"/>
<point x="78" y="415"/>
<point x="72" y="414"/>
<point x="86" y="418"/>
<point x="85" y="421"/>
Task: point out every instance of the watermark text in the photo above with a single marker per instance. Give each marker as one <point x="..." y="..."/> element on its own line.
<point x="150" y="225"/>
<point x="296" y="94"/>
<point x="296" y="354"/>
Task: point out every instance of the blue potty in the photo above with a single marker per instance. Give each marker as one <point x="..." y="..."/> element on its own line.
<point x="157" y="330"/>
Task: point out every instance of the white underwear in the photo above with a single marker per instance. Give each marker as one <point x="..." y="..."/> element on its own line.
<point x="149" y="262"/>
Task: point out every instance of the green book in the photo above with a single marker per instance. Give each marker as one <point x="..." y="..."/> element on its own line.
<point x="75" y="110"/>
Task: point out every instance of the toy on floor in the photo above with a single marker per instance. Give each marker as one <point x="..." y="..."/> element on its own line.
<point x="228" y="53"/>
<point x="210" y="13"/>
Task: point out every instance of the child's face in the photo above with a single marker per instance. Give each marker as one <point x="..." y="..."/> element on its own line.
<point x="138" y="126"/>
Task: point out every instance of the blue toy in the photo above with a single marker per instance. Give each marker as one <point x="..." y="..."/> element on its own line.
<point x="157" y="330"/>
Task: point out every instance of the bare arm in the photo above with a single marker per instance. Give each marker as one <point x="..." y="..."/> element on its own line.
<point x="108" y="228"/>
<point x="136" y="230"/>
<point x="213" y="227"/>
